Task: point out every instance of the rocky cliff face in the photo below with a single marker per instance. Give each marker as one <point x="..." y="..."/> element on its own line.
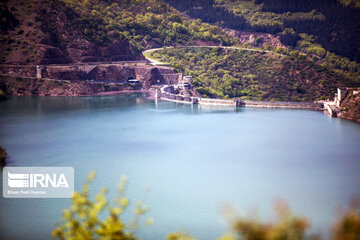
<point x="41" y="32"/>
<point x="147" y="75"/>
<point x="157" y="76"/>
<point x="350" y="107"/>
<point x="31" y="86"/>
<point x="83" y="79"/>
<point x="257" y="39"/>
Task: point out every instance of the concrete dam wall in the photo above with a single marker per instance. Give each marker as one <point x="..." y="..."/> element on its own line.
<point x="167" y="93"/>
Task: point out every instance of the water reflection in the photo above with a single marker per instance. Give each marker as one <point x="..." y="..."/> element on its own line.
<point x="195" y="108"/>
<point x="41" y="105"/>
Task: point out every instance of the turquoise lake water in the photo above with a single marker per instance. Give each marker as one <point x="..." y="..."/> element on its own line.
<point x="195" y="160"/>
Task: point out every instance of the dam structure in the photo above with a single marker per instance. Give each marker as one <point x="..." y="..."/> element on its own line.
<point x="139" y="75"/>
<point x="167" y="93"/>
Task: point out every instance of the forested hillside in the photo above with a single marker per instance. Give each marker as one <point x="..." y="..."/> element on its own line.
<point x="91" y="30"/>
<point x="310" y="67"/>
<point x="335" y="24"/>
<point x="255" y="75"/>
<point x="58" y="31"/>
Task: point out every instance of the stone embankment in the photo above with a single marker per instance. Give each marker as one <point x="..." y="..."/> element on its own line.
<point x="30" y="86"/>
<point x="167" y="93"/>
<point x="93" y="77"/>
<point x="112" y="72"/>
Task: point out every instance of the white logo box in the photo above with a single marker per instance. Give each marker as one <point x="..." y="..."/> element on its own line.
<point x="38" y="182"/>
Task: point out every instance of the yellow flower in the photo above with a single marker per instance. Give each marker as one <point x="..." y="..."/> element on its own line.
<point x="124" y="202"/>
<point x="91" y="176"/>
<point x="149" y="221"/>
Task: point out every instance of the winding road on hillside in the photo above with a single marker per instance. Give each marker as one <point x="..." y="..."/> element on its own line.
<point x="221" y="102"/>
<point x="147" y="53"/>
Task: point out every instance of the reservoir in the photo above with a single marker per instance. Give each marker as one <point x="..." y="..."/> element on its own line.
<point x="185" y="162"/>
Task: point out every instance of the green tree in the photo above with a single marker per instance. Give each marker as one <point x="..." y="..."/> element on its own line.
<point x="289" y="37"/>
<point x="348" y="225"/>
<point x="82" y="220"/>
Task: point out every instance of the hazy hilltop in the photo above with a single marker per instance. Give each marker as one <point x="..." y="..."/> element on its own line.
<point x="61" y="31"/>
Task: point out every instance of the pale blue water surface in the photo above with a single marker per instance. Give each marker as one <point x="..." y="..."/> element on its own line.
<point x="195" y="160"/>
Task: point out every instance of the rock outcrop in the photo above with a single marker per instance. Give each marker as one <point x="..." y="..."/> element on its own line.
<point x="83" y="79"/>
<point x="43" y="32"/>
<point x="41" y="87"/>
<point x="350" y="107"/>
<point x="257" y="38"/>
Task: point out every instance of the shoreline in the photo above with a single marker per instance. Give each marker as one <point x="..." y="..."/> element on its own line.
<point x="110" y="93"/>
<point x="62" y="87"/>
<point x="166" y="95"/>
<point x="312" y="106"/>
